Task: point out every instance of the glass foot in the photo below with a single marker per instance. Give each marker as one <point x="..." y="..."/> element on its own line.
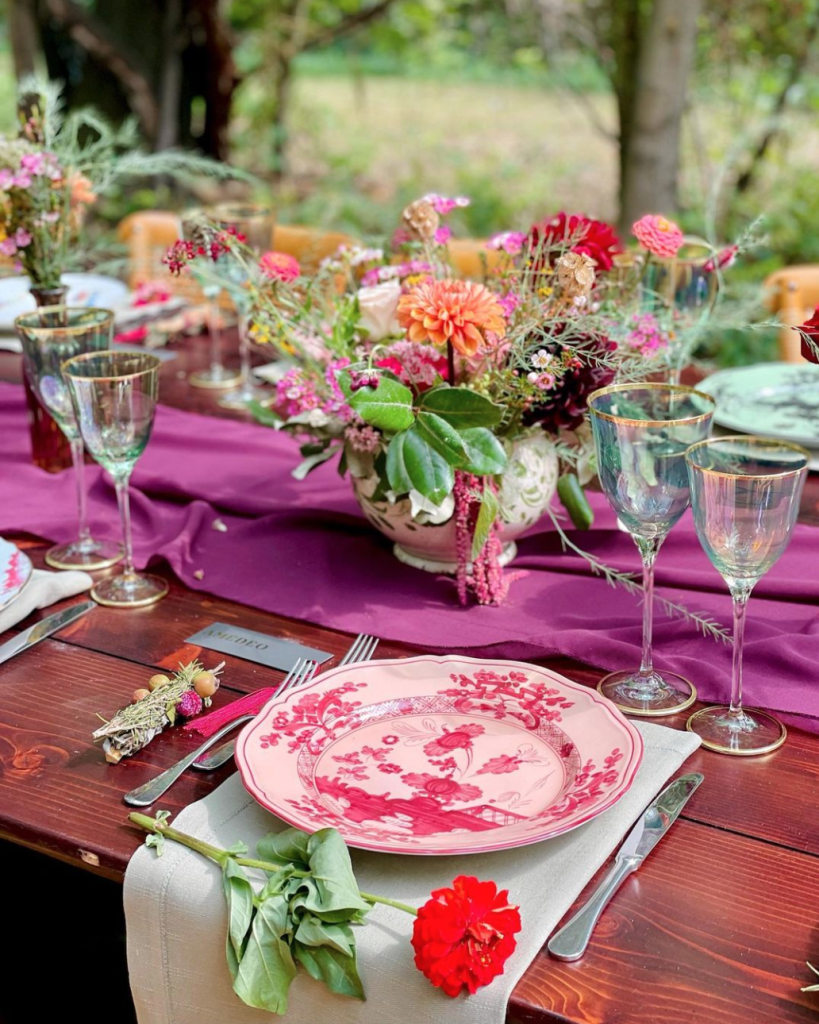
<point x="88" y="554"/>
<point x="744" y="732"/>
<point x="239" y="398"/>
<point x="661" y="693"/>
<point x="214" y="377"/>
<point x="134" y="591"/>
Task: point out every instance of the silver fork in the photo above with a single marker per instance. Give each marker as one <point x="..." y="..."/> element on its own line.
<point x="147" y="793"/>
<point x="361" y="649"/>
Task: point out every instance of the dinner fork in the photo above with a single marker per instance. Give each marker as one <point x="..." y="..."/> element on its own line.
<point x="150" y="791"/>
<point x="361" y="649"/>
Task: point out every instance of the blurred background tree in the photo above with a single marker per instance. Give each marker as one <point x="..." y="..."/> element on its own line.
<point x="348" y="108"/>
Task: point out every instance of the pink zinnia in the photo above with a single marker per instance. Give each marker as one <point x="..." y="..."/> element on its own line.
<point x="279" y="266"/>
<point x="662" y="237"/>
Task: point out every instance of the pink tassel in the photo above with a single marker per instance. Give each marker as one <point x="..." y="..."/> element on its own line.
<point x="250" y="704"/>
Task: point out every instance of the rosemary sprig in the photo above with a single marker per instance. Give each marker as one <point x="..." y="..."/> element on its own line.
<point x="614" y="577"/>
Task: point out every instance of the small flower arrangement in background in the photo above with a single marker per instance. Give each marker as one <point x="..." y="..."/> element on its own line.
<point x="306" y="912"/>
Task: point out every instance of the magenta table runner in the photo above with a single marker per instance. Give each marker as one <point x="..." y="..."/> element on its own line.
<point x="305" y="550"/>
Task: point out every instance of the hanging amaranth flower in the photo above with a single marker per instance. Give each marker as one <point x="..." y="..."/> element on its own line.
<point x="464" y="935"/>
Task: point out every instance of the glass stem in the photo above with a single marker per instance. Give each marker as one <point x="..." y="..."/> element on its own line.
<point x="740" y="595"/>
<point x="648" y="550"/>
<point x="244" y="354"/>
<point x="123" y="500"/>
<point x="215" y="337"/>
<point x="78" y="459"/>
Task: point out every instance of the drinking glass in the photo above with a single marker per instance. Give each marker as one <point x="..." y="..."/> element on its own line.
<point x="745" y="494"/>
<point x="641" y="434"/>
<point x="197" y="227"/>
<point x="682" y="294"/>
<point x="50" y="336"/>
<point x="256" y="223"/>
<point x="114" y="396"/>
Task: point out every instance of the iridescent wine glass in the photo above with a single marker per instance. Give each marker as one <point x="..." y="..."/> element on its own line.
<point x="745" y="494"/>
<point x="255" y="224"/>
<point x="641" y="434"/>
<point x="681" y="292"/>
<point x="197" y="227"/>
<point x="114" y="396"/>
<point x="50" y="336"/>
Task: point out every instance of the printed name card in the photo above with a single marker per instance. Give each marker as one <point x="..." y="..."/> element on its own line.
<point x="253" y="646"/>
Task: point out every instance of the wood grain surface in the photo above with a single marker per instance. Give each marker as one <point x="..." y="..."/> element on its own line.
<point x="715" y="928"/>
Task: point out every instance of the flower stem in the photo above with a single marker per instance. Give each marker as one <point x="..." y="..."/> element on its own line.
<point x="220" y="856"/>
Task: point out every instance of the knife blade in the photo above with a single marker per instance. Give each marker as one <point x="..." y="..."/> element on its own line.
<point x="40" y="630"/>
<point x="571" y="941"/>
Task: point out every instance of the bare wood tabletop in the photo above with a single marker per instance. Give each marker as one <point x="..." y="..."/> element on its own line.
<point x="716" y="927"/>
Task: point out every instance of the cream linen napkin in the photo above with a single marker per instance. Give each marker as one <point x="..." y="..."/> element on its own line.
<point x="42" y="590"/>
<point x="175" y="911"/>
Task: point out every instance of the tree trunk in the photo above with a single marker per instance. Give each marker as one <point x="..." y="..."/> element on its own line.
<point x="650" y="129"/>
<point x="25" y="41"/>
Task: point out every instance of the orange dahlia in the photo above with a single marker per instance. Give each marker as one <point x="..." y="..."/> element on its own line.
<point x="460" y="312"/>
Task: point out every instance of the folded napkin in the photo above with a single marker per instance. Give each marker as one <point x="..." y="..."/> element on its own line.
<point x="42" y="590"/>
<point x="176" y="922"/>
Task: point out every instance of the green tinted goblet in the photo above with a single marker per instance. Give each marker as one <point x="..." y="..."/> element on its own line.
<point x="745" y="494"/>
<point x="50" y="336"/>
<point x="641" y="434"/>
<point x="114" y="396"/>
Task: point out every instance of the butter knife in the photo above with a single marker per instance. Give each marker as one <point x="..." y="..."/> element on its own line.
<point x="40" y="630"/>
<point x="571" y="941"/>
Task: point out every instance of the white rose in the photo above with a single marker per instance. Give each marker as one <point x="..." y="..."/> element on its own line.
<point x="378" y="304"/>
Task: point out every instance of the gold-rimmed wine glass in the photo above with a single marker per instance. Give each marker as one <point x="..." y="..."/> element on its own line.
<point x="745" y="494"/>
<point x="641" y="434"/>
<point x="114" y="396"/>
<point x="49" y="337"/>
<point x="255" y="224"/>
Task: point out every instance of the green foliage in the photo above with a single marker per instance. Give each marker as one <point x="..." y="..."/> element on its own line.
<point x="387" y="407"/>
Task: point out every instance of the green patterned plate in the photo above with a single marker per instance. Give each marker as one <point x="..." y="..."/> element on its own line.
<point x="774" y="399"/>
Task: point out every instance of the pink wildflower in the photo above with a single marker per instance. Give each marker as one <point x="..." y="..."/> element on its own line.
<point x="542" y="381"/>
<point x="510" y="242"/>
<point x="443" y="235"/>
<point x="443" y="204"/>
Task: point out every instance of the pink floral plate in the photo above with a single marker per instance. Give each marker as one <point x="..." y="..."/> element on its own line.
<point x="439" y="755"/>
<point x="15" y="572"/>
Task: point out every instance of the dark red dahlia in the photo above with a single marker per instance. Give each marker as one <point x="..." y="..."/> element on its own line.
<point x="810" y="329"/>
<point x="564" y="406"/>
<point x="573" y="232"/>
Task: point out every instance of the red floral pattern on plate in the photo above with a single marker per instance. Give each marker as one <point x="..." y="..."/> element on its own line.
<point x="15" y="572"/>
<point x="439" y="755"/>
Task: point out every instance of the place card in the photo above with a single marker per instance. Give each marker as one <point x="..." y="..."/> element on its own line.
<point x="253" y="646"/>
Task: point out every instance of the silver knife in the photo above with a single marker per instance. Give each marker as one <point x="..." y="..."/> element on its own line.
<point x="571" y="941"/>
<point x="40" y="630"/>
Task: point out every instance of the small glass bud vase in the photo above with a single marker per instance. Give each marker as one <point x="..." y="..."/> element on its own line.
<point x="50" y="448"/>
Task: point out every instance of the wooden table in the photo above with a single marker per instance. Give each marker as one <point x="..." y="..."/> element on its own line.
<point x="715" y="928"/>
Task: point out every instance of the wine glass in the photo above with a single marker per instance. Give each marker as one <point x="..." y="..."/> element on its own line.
<point x="681" y="293"/>
<point x="641" y="434"/>
<point x="745" y="494"/>
<point x="49" y="337"/>
<point x="256" y="224"/>
<point x="197" y="227"/>
<point x="114" y="396"/>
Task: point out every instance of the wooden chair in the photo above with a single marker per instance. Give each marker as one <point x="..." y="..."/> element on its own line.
<point x="793" y="294"/>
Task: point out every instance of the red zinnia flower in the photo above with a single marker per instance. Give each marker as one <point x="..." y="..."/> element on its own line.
<point x="573" y="233"/>
<point x="463" y="936"/>
<point x="810" y="329"/>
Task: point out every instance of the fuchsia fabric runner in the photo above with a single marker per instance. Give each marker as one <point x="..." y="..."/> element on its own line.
<point x="305" y="550"/>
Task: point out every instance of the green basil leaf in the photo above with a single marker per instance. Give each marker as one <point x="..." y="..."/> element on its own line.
<point x="574" y="500"/>
<point x="337" y="897"/>
<point x="461" y="407"/>
<point x="337" y="970"/>
<point x="387" y="407"/>
<point x="444" y="438"/>
<point x="487" y="515"/>
<point x="267" y="967"/>
<point x="285" y="848"/>
<point x="261" y="414"/>
<point x="485" y="454"/>
<point x="312" y="931"/>
<point x="429" y="472"/>
<point x="239" y="896"/>
<point x="396" y="468"/>
<point x="312" y="461"/>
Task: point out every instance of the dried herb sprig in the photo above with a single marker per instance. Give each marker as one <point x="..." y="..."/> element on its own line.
<point x="135" y="726"/>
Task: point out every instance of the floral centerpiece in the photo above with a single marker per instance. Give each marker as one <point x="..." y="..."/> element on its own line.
<point x="454" y="405"/>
